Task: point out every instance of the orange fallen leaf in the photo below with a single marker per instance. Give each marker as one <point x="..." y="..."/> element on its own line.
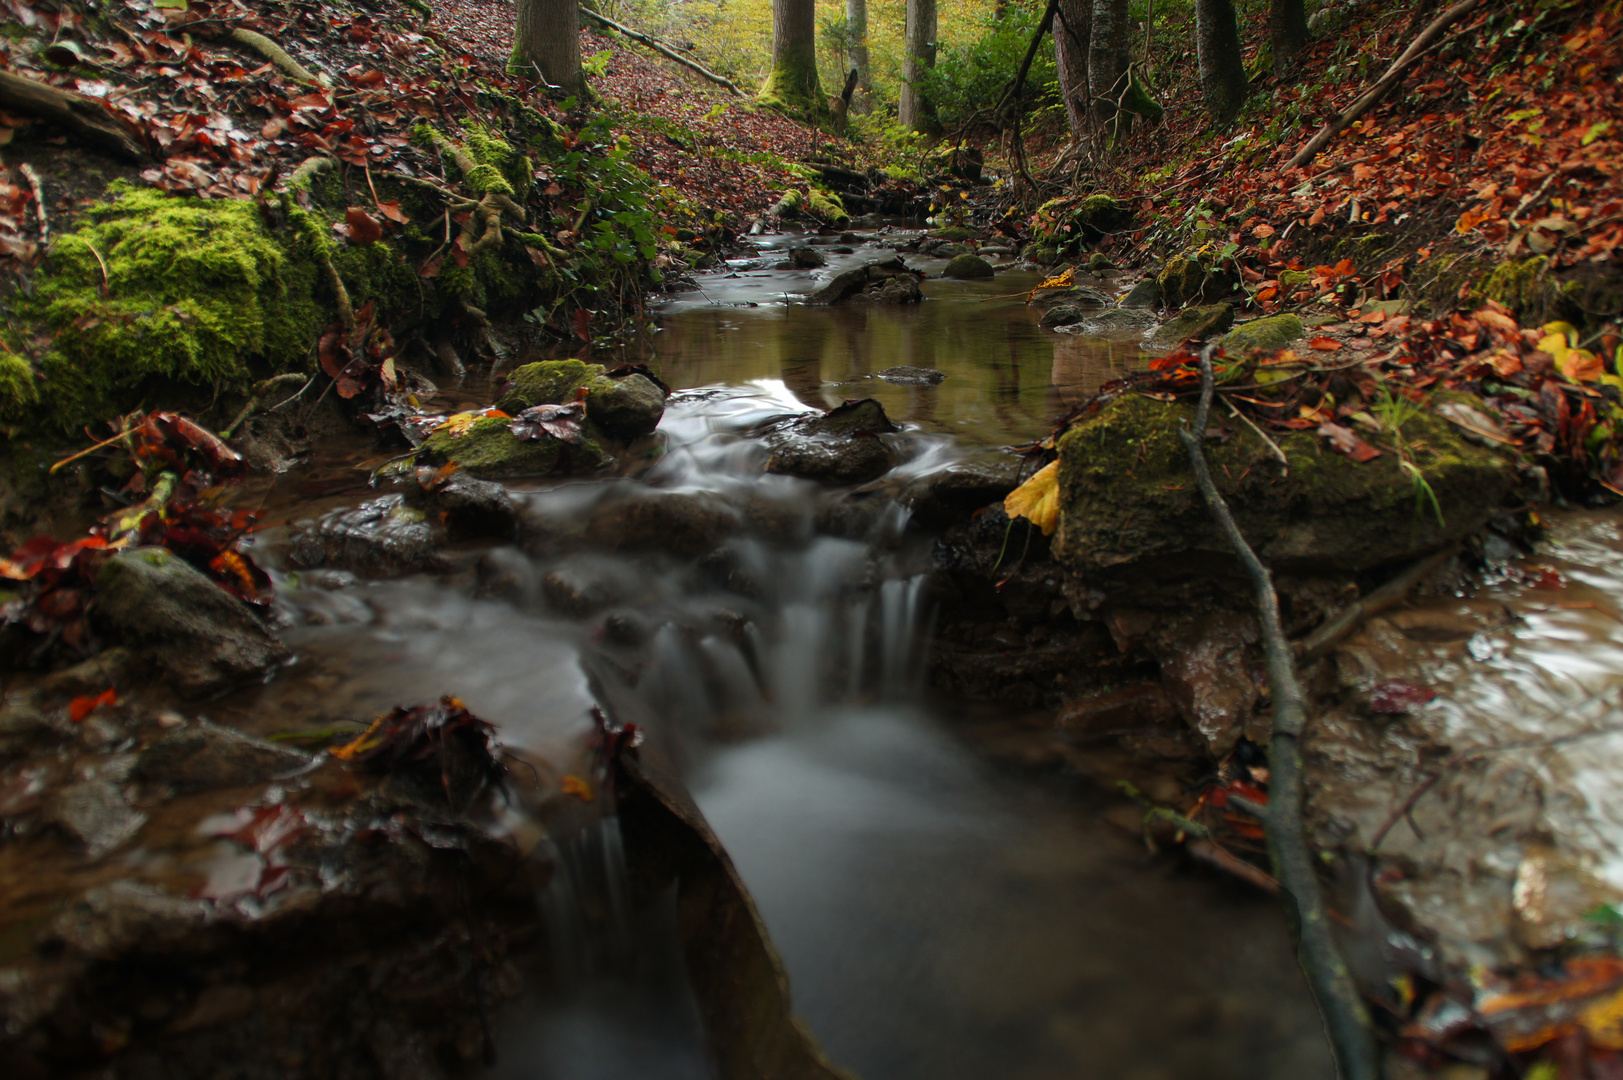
<point x="1324" y="344"/>
<point x="81" y="707"/>
<point x="577" y="788"/>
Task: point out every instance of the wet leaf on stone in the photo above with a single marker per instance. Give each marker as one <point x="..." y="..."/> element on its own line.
<point x="562" y="422"/>
<point x="1037" y="500"/>
<point x="1397" y="696"/>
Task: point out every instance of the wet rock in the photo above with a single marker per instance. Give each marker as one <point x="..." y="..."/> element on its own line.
<point x="110" y="667"/>
<point x="1113" y="322"/>
<point x="627" y="407"/>
<point x="968" y="268"/>
<point x="383" y="538"/>
<point x="204" y="638"/>
<point x="806" y="258"/>
<point x="489" y="450"/>
<point x="1145" y="294"/>
<point x="1267" y="334"/>
<point x="912" y="376"/>
<point x="578" y="592"/>
<point x="1099" y="262"/>
<point x="950" y="495"/>
<point x="680" y="523"/>
<point x="25" y="729"/>
<point x="469" y="509"/>
<point x="1067" y="313"/>
<point x="840" y="447"/>
<point x="94" y="815"/>
<point x="131" y="917"/>
<point x="550" y="382"/>
<point x="888" y="281"/>
<point x="202" y="756"/>
<point x="1207" y="673"/>
<point x="1134" y="706"/>
<point x="1184" y="280"/>
<point x="1133" y="515"/>
<point x="1195" y="324"/>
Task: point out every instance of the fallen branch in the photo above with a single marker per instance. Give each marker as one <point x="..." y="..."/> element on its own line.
<point x="662" y="49"/>
<point x="1383" y="86"/>
<point x="83" y="116"/>
<point x="276" y="55"/>
<point x="264" y="389"/>
<point x="1344" y="1015"/>
<point x="1319" y="643"/>
<point x="37" y="186"/>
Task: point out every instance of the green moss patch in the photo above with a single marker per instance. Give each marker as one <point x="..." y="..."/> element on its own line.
<point x="155" y="293"/>
<point x="1267" y="334"/>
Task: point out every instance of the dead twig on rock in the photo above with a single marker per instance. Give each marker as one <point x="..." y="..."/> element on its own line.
<point x="1344" y="1014"/>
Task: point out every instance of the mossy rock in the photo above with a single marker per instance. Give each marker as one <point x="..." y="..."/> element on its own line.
<point x="1104" y="213"/>
<point x="1268" y="334"/>
<point x="1531" y="290"/>
<point x="1182" y="280"/>
<point x="19" y="388"/>
<point x="549" y="382"/>
<point x="954" y="233"/>
<point x="1129" y="503"/>
<point x="1099" y="262"/>
<point x="826" y="206"/>
<point x="1196" y="323"/>
<point x="489" y="450"/>
<point x="968" y="267"/>
<point x="1041" y="254"/>
<point x="197" y="293"/>
<point x="1291" y="280"/>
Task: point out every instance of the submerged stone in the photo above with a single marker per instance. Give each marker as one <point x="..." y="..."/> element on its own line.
<point x="386" y="537"/>
<point x="202" y="756"/>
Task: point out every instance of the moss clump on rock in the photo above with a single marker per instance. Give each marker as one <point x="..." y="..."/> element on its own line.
<point x="1128" y="501"/>
<point x="1193" y="323"/>
<point x="624" y="408"/>
<point x="550" y="382"/>
<point x="1266" y="334"/>
<point x="826" y="206"/>
<point x="489" y="450"/>
<point x="955" y="233"/>
<point x="19" y="390"/>
<point x="155" y="292"/>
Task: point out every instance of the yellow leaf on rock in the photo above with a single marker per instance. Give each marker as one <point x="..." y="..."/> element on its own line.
<point x="457" y="426"/>
<point x="576" y="787"/>
<point x="1037" y="500"/>
<point x="1061" y="281"/>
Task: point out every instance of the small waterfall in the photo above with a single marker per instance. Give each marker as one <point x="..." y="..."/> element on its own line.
<point x="902" y="632"/>
<point x="586" y="907"/>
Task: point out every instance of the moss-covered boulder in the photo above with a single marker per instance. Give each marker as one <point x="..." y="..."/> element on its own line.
<point x="1267" y="334"/>
<point x="954" y="233"/>
<point x="489" y="450"/>
<point x="1129" y="506"/>
<point x="968" y="268"/>
<point x="1067" y="221"/>
<point x="1185" y="279"/>
<point x="1193" y="324"/>
<point x="154" y="294"/>
<point x="625" y="408"/>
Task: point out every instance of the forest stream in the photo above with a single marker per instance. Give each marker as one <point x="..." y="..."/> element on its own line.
<point x="941" y="910"/>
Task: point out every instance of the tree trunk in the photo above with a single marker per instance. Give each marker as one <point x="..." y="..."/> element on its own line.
<point x="1107" y="66"/>
<point x="1222" y="71"/>
<point x="546" y="42"/>
<point x="1072" y="32"/>
<point x="1287" y="32"/>
<point x="856" y="25"/>
<point x="914" y="110"/>
<point x="792" y="83"/>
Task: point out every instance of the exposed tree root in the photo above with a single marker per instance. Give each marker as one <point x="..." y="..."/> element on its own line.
<point x="662" y="49"/>
<point x="84" y="117"/>
<point x="1326" y="637"/>
<point x="278" y="56"/>
<point x="1343" y="1010"/>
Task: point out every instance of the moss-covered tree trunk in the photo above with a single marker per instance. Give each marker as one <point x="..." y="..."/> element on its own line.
<point x="792" y="84"/>
<point x="546" y="42"/>
<point x="1222" y="71"/>
<point x="914" y="110"/>
<point x="856" y="25"/>
<point x="1287" y="32"/>
<point x="1108" y="58"/>
<point x="1072" y="31"/>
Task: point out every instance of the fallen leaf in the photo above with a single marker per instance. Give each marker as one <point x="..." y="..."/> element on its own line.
<point x="363" y="227"/>
<point x="81" y="707"/>
<point x="1395" y="697"/>
<point x="1324" y="344"/>
<point x="1037" y="500"/>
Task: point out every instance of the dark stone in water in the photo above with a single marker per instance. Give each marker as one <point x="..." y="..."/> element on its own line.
<point x="94" y="814"/>
<point x="202" y="756"/>
<point x="950" y="495"/>
<point x="806" y="258"/>
<point x="887" y="281"/>
<point x="471" y="509"/>
<point x="386" y="537"/>
<point x="968" y="266"/>
<point x="204" y="638"/>
<point x="680" y="523"/>
<point x="912" y="376"/>
<point x="838" y="447"/>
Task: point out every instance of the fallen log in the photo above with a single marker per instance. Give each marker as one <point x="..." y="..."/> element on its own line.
<point x="1394" y="74"/>
<point x="83" y="116"/>
<point x="662" y="49"/>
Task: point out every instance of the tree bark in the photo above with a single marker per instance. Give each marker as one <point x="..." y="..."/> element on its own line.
<point x="1222" y="70"/>
<point x="914" y="110"/>
<point x="1287" y="32"/>
<point x="856" y="25"/>
<point x="85" y="117"/>
<point x="546" y="42"/>
<point x="1071" y="37"/>
<point x="1107" y="65"/>
<point x="792" y="83"/>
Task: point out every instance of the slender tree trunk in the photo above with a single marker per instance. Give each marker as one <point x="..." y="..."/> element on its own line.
<point x="1108" y="58"/>
<point x="1287" y="32"/>
<point x="793" y="82"/>
<point x="856" y="25"/>
<point x="1073" y="28"/>
<point x="914" y="110"/>
<point x="1222" y="71"/>
<point x="546" y="41"/>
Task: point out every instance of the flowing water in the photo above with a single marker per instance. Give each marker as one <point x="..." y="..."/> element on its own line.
<point x="939" y="916"/>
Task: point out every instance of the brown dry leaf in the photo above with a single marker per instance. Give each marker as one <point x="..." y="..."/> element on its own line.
<point x="363" y="227"/>
<point x="1037" y="500"/>
<point x="1324" y="344"/>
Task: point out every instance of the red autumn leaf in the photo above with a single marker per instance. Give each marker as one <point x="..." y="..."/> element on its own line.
<point x="1546" y="577"/>
<point x="390" y="208"/>
<point x="1324" y="344"/>
<point x="1395" y="697"/>
<point x="81" y="707"/>
<point x="1344" y="441"/>
<point x="363" y="227"/>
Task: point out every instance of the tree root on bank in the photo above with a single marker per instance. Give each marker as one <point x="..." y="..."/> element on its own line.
<point x="1345" y="1018"/>
<point x="85" y="117"/>
<point x="662" y="49"/>
<point x="278" y="57"/>
<point x="1319" y="643"/>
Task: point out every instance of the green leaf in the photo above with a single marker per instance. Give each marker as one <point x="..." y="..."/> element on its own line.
<point x="1597" y="131"/>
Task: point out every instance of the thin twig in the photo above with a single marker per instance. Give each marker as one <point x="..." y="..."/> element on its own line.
<point x="1252" y="424"/>
<point x="38" y="187"/>
<point x="1345" y="1017"/>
